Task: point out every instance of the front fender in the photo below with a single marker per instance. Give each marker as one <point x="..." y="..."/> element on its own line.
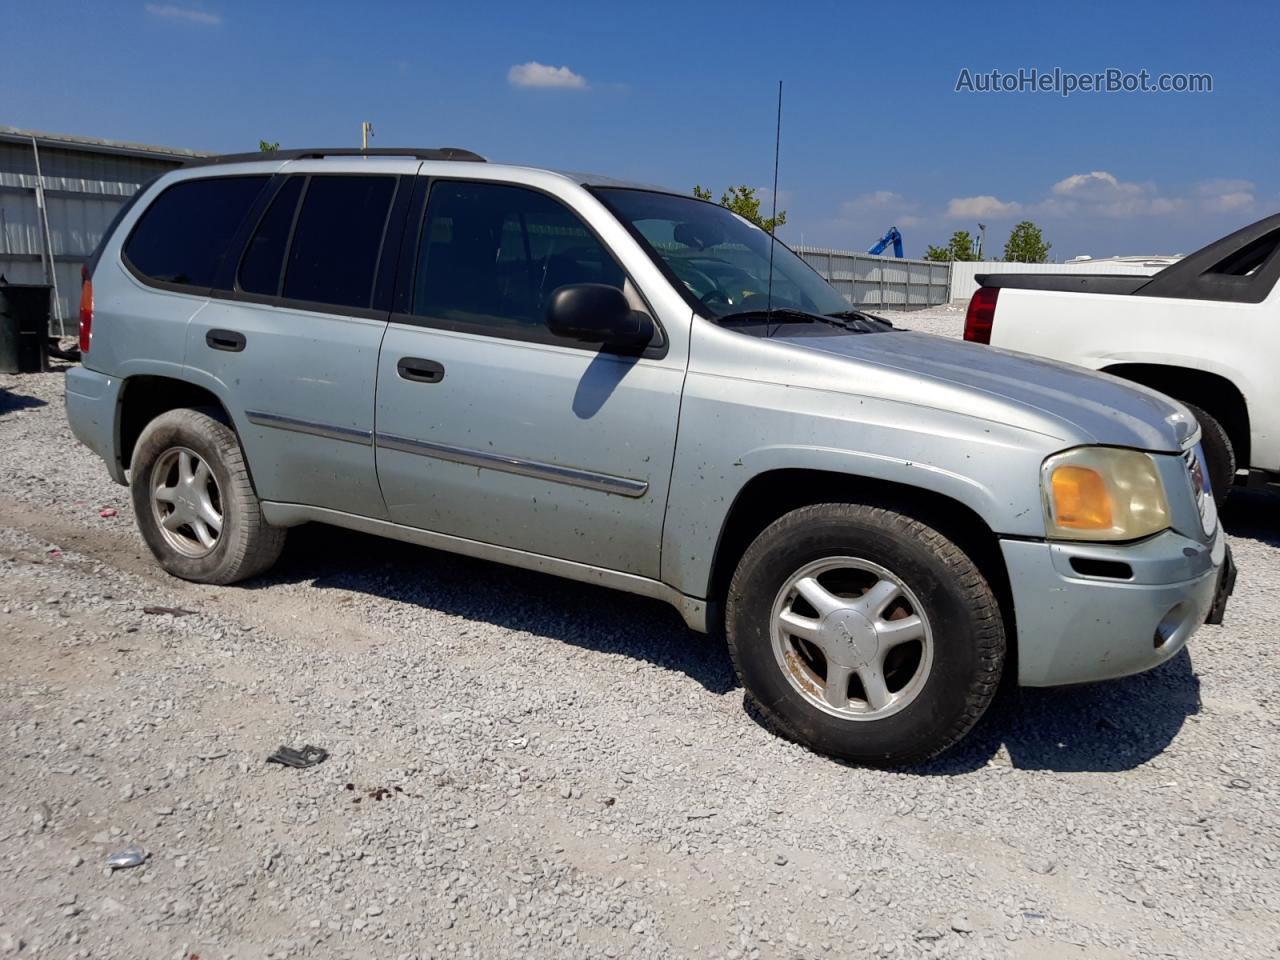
<point x="732" y="432"/>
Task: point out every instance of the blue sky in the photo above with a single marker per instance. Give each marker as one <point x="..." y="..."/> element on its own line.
<point x="682" y="93"/>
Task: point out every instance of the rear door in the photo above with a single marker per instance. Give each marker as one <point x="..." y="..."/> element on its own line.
<point x="293" y="336"/>
<point x="491" y="428"/>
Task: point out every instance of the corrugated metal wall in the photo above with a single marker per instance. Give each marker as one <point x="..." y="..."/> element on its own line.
<point x="881" y="283"/>
<point x="963" y="273"/>
<point x="82" y="189"/>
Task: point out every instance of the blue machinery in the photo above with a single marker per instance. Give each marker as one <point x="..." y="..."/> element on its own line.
<point x="892" y="236"/>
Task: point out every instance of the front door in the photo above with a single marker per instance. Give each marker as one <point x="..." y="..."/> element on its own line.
<point x="491" y="428"/>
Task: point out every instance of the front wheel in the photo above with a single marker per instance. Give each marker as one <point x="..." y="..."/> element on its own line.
<point x="195" y="505"/>
<point x="864" y="634"/>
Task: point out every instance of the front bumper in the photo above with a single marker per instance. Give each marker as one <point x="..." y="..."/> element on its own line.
<point x="1080" y="619"/>
<point x="92" y="401"/>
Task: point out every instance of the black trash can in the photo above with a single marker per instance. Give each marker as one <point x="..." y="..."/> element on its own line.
<point x="24" y="327"/>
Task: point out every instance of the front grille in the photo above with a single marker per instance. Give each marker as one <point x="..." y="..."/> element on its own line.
<point x="1201" y="487"/>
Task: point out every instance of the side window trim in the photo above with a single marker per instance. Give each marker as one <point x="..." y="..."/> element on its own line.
<point x="410" y="261"/>
<point x="228" y="276"/>
<point x="288" y="240"/>
<point x="407" y="261"/>
<point x="384" y="279"/>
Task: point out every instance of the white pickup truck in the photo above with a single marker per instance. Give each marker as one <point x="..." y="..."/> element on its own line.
<point x="1205" y="331"/>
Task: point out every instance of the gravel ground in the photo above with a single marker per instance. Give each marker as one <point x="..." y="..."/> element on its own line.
<point x="946" y="321"/>
<point x="527" y="768"/>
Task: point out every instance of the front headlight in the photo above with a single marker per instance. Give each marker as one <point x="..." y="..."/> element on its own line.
<point x="1102" y="493"/>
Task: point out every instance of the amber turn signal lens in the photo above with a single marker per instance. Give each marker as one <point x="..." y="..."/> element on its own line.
<point x="1080" y="499"/>
<point x="1103" y="493"/>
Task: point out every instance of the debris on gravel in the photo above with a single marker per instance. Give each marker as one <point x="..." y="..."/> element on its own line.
<point x="479" y="721"/>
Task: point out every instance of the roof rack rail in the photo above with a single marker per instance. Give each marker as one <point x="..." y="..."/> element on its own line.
<point x="318" y="153"/>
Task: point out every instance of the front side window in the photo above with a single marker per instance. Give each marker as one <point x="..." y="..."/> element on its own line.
<point x="490" y="256"/>
<point x="181" y="236"/>
<point x="337" y="240"/>
<point x="721" y="260"/>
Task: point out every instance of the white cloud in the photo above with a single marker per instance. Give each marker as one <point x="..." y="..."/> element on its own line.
<point x="876" y="200"/>
<point x="1099" y="193"/>
<point x="983" y="206"/>
<point x="534" y="74"/>
<point x="169" y="12"/>
<point x="1084" y="183"/>
<point x="1225" y="196"/>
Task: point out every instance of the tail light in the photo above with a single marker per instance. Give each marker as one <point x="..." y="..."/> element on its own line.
<point x="86" y="309"/>
<point x="981" y="315"/>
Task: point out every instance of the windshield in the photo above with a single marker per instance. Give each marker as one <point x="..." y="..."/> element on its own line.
<point x="720" y="258"/>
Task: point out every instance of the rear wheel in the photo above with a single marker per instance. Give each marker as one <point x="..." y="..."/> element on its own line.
<point x="864" y="634"/>
<point x="195" y="505"/>
<point x="1219" y="454"/>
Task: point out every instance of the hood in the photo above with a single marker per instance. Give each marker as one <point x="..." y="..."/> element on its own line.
<point x="1072" y="403"/>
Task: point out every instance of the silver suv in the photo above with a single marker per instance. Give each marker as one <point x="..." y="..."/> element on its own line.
<point x="630" y="387"/>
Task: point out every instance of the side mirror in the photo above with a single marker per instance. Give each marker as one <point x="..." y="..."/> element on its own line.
<point x="597" y="313"/>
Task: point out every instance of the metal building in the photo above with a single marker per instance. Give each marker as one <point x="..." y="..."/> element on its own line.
<point x="58" y="193"/>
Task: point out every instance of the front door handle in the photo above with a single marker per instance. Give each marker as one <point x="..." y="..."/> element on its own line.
<point x="419" y="370"/>
<point x="229" y="340"/>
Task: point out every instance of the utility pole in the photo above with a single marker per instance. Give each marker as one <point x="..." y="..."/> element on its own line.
<point x="366" y="131"/>
<point x="982" y="239"/>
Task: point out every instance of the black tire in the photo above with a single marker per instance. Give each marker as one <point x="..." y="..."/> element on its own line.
<point x="968" y="632"/>
<point x="247" y="545"/>
<point x="1219" y="454"/>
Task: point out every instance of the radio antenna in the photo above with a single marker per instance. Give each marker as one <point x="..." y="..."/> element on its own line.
<point x="773" y="226"/>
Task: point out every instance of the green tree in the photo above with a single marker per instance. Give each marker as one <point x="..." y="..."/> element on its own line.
<point x="744" y="202"/>
<point x="268" y="146"/>
<point x="959" y="247"/>
<point x="1026" y="244"/>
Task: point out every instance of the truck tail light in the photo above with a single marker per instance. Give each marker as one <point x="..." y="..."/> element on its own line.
<point x="86" y="309"/>
<point x="981" y="315"/>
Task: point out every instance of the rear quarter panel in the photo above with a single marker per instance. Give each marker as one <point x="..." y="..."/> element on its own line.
<point x="137" y="327"/>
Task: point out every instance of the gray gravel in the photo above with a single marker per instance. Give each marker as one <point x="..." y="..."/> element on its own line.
<point x="527" y="768"/>
<point x="945" y="321"/>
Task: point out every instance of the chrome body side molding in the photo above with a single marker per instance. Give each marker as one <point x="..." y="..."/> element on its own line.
<point x="573" y="476"/>
<point x="328" y="431"/>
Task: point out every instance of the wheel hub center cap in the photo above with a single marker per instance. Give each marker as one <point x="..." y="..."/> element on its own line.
<point x="851" y="639"/>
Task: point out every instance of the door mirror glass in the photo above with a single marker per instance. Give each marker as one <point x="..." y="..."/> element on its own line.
<point x="597" y="313"/>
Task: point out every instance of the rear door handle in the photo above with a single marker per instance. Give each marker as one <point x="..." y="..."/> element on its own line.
<point x="228" y="340"/>
<point x="419" y="370"/>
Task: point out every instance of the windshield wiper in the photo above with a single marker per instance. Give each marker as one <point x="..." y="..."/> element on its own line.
<point x="782" y="315"/>
<point x="859" y="316"/>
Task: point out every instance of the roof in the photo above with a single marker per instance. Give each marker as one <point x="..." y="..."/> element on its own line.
<point x="66" y="141"/>
<point x="427" y="154"/>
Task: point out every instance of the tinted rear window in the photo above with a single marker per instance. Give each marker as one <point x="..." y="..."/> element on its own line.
<point x="337" y="240"/>
<point x="182" y="235"/>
